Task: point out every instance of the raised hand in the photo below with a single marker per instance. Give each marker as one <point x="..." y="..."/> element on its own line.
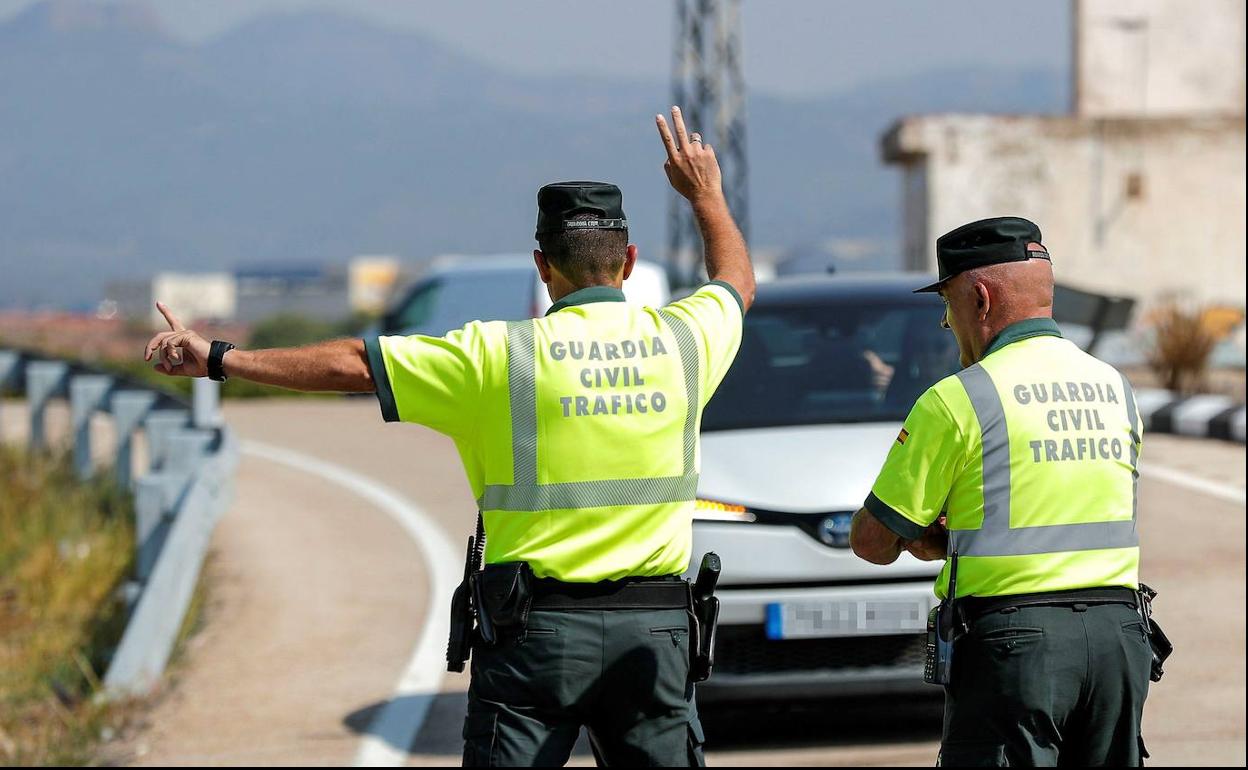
<point x="180" y="352"/>
<point x="691" y="165"/>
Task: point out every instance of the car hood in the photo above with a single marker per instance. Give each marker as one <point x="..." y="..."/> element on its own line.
<point x="800" y="469"/>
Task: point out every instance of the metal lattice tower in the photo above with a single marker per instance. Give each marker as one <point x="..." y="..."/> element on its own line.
<point x="708" y="85"/>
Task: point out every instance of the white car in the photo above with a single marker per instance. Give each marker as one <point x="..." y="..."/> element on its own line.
<point x="791" y="444"/>
<point x="456" y="290"/>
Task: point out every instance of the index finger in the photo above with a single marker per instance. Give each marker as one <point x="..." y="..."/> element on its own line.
<point x="666" y="135"/>
<point x="174" y="323"/>
<point x="678" y="121"/>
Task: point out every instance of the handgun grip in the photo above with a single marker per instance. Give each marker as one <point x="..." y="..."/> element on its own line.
<point x="708" y="577"/>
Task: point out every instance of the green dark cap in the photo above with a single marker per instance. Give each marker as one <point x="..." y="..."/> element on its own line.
<point x="559" y="202"/>
<point x="986" y="242"/>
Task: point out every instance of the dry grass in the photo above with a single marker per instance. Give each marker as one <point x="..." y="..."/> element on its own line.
<point x="1184" y="339"/>
<point x="65" y="549"/>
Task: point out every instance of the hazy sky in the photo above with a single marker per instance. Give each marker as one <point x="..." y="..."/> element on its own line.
<point x="791" y="46"/>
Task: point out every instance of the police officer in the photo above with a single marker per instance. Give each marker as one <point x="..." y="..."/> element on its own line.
<point x="1029" y="455"/>
<point x="579" y="435"/>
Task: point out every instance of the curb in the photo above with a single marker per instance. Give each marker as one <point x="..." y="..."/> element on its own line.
<point x="1203" y="416"/>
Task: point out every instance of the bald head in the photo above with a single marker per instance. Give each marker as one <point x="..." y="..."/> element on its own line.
<point x="985" y="300"/>
<point x="1018" y="290"/>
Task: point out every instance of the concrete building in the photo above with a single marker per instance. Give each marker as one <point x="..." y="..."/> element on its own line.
<point x="1140" y="190"/>
<point x="194" y="296"/>
<point x="257" y="292"/>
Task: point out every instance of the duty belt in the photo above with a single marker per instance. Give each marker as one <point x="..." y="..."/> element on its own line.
<point x="663" y="593"/>
<point x="977" y="606"/>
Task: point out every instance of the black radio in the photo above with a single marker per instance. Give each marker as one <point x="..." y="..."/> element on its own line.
<point x="941" y="630"/>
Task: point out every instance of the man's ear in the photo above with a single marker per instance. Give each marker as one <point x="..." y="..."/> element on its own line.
<point x="983" y="301"/>
<point x="543" y="266"/>
<point x="630" y="260"/>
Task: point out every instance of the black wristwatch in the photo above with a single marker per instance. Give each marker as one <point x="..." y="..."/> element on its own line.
<point x="216" y="355"/>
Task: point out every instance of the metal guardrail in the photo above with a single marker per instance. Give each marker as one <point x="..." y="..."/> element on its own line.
<point x="186" y="486"/>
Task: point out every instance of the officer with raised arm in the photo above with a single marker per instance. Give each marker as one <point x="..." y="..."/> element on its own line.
<point x="1029" y="455"/>
<point x="579" y="435"/>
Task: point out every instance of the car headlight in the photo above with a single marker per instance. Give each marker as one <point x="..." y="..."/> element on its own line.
<point x="713" y="510"/>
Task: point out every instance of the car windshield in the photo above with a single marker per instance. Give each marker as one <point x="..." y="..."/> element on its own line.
<point x="832" y="363"/>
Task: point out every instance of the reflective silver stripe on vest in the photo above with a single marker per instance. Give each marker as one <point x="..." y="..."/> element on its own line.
<point x="996" y="537"/>
<point x="1133" y="416"/>
<point x="525" y="494"/>
<point x="589" y="494"/>
<point x="522" y="390"/>
<point x="688" y="347"/>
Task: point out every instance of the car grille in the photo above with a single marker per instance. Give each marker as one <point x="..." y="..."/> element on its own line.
<point x="745" y="650"/>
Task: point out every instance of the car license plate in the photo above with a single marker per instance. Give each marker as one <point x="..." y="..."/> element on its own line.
<point x="875" y="616"/>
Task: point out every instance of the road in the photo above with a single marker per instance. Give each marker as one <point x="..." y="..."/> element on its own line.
<point x="320" y="593"/>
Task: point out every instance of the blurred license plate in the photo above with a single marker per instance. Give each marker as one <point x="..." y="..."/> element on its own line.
<point x="847" y="617"/>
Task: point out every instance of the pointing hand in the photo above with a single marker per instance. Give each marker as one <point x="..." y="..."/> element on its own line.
<point x="180" y="352"/>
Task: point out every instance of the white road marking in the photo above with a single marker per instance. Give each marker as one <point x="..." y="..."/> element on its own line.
<point x="1193" y="482"/>
<point x="395" y="726"/>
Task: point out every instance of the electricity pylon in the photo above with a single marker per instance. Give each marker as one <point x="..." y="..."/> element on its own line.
<point x="708" y="85"/>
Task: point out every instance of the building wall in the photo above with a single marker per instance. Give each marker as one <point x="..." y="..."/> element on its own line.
<point x="1158" y="57"/>
<point x="194" y="296"/>
<point x="372" y="279"/>
<point x="1136" y="207"/>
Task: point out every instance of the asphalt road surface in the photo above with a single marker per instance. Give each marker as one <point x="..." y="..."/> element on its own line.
<point x="317" y="648"/>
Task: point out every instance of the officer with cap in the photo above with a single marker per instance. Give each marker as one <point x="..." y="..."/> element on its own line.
<point x="1020" y="472"/>
<point x="579" y="435"/>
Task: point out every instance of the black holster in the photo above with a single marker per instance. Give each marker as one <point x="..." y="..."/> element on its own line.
<point x="1158" y="642"/>
<point x="704" y="619"/>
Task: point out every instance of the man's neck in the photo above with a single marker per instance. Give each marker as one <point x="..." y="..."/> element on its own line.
<point x="994" y="331"/>
<point x="561" y="289"/>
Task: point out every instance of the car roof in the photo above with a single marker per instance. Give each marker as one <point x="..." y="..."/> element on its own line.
<point x="856" y="287"/>
<point x="454" y="263"/>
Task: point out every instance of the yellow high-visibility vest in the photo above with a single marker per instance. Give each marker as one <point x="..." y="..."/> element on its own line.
<point x="578" y="431"/>
<point x="1032" y="454"/>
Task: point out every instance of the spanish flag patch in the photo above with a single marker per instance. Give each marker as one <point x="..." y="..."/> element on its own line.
<point x="901" y="437"/>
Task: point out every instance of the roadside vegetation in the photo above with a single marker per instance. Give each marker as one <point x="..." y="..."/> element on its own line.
<point x="65" y="551"/>
<point x="1185" y="337"/>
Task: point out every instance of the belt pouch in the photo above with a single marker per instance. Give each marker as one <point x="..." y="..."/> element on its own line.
<point x="504" y="593"/>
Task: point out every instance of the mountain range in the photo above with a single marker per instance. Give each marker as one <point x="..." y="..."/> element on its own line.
<point x="310" y="137"/>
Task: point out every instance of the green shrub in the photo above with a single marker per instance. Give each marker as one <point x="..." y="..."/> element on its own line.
<point x="287" y="330"/>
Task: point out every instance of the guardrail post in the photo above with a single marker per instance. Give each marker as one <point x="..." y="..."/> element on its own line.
<point x="128" y="407"/>
<point x="186" y="449"/>
<point x="205" y="403"/>
<point x="158" y="426"/>
<point x="149" y="509"/>
<point x="44" y="379"/>
<point x="87" y="394"/>
<point x="10" y="360"/>
<point x="155" y="496"/>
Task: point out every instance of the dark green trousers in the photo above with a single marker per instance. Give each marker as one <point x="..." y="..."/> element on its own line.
<point x="1048" y="687"/>
<point x="622" y="674"/>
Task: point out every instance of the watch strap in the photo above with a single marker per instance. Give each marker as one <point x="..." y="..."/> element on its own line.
<point x="216" y="357"/>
